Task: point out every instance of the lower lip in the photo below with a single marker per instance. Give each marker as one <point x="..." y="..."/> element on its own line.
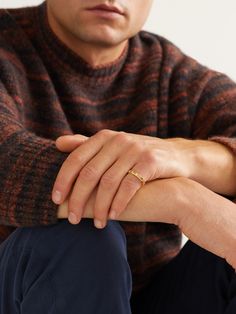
<point x="106" y="14"/>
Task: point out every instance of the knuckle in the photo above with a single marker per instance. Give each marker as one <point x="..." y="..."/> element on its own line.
<point x="136" y="147"/>
<point x="121" y="138"/>
<point x="88" y="173"/>
<point x="104" y="132"/>
<point x="117" y="206"/>
<point x="61" y="182"/>
<point x="107" y="180"/>
<point x="73" y="205"/>
<point x="149" y="157"/>
<point x="130" y="183"/>
<point x="75" y="158"/>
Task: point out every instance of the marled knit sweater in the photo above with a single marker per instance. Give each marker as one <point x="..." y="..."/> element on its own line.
<point x="46" y="91"/>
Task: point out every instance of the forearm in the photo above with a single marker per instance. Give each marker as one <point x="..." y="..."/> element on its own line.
<point x="27" y="202"/>
<point x="205" y="217"/>
<point x="143" y="206"/>
<point x="209" y="220"/>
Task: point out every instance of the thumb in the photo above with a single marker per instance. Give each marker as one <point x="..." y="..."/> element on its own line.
<point x="67" y="143"/>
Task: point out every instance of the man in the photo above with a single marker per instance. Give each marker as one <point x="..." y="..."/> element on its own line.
<point x="148" y="149"/>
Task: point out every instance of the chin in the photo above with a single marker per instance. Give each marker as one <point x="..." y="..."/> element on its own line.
<point x="105" y="42"/>
<point x="103" y="37"/>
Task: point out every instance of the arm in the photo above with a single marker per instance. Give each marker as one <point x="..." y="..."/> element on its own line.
<point x="206" y="218"/>
<point x="28" y="168"/>
<point x="215" y="121"/>
<point x="202" y="107"/>
<point x="209" y="163"/>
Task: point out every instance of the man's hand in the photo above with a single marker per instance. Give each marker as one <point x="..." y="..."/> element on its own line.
<point x="104" y="159"/>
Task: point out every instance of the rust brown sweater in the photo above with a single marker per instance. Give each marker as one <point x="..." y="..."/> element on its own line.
<point x="47" y="91"/>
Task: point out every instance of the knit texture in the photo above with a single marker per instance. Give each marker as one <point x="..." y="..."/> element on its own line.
<point x="46" y="91"/>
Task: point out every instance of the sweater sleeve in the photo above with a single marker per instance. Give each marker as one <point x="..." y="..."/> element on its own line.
<point x="215" y="117"/>
<point x="28" y="168"/>
<point x="202" y="103"/>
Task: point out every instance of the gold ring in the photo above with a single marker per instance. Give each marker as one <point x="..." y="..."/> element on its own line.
<point x="137" y="175"/>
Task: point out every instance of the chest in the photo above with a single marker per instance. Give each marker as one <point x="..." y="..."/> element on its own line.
<point x="72" y="105"/>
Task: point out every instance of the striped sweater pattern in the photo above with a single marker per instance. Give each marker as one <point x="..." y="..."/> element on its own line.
<point x="46" y="91"/>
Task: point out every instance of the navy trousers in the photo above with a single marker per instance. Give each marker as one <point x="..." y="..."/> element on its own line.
<point x="79" y="269"/>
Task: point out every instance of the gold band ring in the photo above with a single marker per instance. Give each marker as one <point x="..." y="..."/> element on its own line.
<point x="137" y="175"/>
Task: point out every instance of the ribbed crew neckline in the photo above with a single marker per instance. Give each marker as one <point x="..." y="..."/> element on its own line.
<point x="69" y="58"/>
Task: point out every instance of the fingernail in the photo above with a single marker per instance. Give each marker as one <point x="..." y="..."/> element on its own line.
<point x="98" y="224"/>
<point x="112" y="215"/>
<point x="56" y="197"/>
<point x="73" y="218"/>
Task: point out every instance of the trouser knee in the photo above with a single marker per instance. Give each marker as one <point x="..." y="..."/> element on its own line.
<point x="79" y="261"/>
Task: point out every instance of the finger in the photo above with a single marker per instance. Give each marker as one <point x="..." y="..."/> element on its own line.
<point x="127" y="189"/>
<point x="93" y="172"/>
<point x="86" y="182"/>
<point x="76" y="160"/>
<point x="67" y="143"/>
<point x="109" y="185"/>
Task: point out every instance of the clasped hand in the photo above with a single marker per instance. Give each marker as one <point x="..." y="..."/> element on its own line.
<point x="104" y="160"/>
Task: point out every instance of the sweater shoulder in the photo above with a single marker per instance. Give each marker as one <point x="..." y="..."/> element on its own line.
<point x="171" y="53"/>
<point x="176" y="64"/>
<point x="20" y="17"/>
<point x="16" y="26"/>
<point x="165" y="47"/>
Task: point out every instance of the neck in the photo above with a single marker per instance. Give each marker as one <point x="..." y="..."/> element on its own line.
<point x="93" y="54"/>
<point x="97" y="56"/>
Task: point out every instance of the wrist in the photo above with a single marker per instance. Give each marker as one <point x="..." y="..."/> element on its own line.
<point x="213" y="165"/>
<point x="180" y="199"/>
<point x="209" y="220"/>
<point x="162" y="200"/>
<point x="185" y="155"/>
